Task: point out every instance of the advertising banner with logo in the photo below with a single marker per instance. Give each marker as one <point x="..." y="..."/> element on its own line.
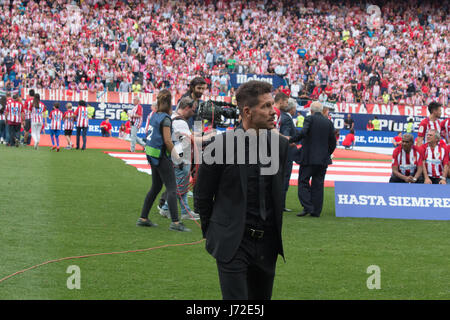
<point x="237" y="79"/>
<point x="388" y="201"/>
<point x="387" y="122"/>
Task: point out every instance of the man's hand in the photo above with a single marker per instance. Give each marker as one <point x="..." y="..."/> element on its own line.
<point x="442" y="181"/>
<point x="409" y="179"/>
<point x="427" y="181"/>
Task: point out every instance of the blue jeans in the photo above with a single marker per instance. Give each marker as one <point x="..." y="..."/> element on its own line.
<point x="182" y="177"/>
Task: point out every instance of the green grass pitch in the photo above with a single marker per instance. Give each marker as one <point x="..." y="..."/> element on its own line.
<point x="72" y="203"/>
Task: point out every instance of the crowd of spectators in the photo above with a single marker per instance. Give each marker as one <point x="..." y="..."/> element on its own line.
<point x="324" y="50"/>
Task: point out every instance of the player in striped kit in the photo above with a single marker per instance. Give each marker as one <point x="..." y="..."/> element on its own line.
<point x="55" y="126"/>
<point x="37" y="119"/>
<point x="82" y="117"/>
<point x="430" y="122"/>
<point x="14" y="114"/>
<point x="435" y="166"/>
<point x="136" y="115"/>
<point x="27" y="111"/>
<point x="407" y="162"/>
<point x="445" y="130"/>
<point x="69" y="119"/>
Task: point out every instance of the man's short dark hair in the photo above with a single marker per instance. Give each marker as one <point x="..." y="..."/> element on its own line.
<point x="82" y="103"/>
<point x="31" y="93"/>
<point x="247" y="94"/>
<point x="433" y="106"/>
<point x="195" y="82"/>
<point x="280" y="96"/>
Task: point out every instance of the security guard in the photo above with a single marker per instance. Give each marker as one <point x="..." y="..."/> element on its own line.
<point x="300" y="120"/>
<point x="124" y="116"/>
<point x="376" y="124"/>
<point x="91" y="111"/>
<point x="410" y="126"/>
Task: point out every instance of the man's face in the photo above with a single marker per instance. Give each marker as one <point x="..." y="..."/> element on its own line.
<point x="431" y="136"/>
<point x="283" y="104"/>
<point x="438" y="112"/>
<point x="262" y="115"/>
<point x="198" y="90"/>
<point x="407" y="144"/>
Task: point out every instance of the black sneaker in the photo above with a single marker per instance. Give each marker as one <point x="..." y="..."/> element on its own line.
<point x="178" y="227"/>
<point x="145" y="223"/>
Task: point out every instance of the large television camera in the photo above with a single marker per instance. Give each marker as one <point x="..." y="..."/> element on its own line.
<point x="218" y="112"/>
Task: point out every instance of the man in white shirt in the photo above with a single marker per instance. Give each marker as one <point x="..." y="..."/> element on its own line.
<point x="182" y="141"/>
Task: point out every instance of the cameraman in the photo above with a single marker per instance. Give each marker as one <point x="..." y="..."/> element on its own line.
<point x="196" y="88"/>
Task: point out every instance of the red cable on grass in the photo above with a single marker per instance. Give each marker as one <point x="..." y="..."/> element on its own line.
<point x="99" y="254"/>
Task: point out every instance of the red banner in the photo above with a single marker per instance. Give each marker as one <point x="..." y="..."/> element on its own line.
<point x="107" y="97"/>
<point x="150" y="98"/>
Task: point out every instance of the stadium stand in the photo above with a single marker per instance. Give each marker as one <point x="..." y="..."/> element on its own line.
<point x="323" y="50"/>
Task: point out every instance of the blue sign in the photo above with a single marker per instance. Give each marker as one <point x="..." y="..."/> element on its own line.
<point x="372" y="138"/>
<point x="237" y="79"/>
<point x="387" y="122"/>
<point x="388" y="201"/>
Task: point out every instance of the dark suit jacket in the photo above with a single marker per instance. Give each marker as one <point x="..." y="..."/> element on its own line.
<point x="318" y="140"/>
<point x="221" y="201"/>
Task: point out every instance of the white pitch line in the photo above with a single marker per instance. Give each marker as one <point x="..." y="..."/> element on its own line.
<point x="125" y="155"/>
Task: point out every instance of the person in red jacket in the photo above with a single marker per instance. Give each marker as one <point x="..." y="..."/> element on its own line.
<point x="349" y="140"/>
<point x="106" y="128"/>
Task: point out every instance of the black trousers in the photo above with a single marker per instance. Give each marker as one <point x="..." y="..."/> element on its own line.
<point x="83" y="132"/>
<point x="162" y="174"/>
<point x="14" y="133"/>
<point x="251" y="272"/>
<point x="105" y="133"/>
<point x="287" y="178"/>
<point x="311" y="196"/>
<point x="395" y="179"/>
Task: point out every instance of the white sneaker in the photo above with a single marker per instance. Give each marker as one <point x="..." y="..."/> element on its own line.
<point x="164" y="212"/>
<point x="191" y="216"/>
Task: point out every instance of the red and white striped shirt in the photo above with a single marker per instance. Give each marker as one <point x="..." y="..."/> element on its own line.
<point x="14" y="110"/>
<point x="426" y="125"/>
<point x="68" y="120"/>
<point x="82" y="117"/>
<point x="445" y="130"/>
<point x="56" y="116"/>
<point x="435" y="159"/>
<point x="136" y="116"/>
<point x="407" y="162"/>
<point x="37" y="113"/>
<point x="27" y="108"/>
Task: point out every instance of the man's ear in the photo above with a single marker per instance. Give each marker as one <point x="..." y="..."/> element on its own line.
<point x="246" y="111"/>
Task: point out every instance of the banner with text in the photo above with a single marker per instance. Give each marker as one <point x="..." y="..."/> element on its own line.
<point x="387" y="122"/>
<point x="237" y="79"/>
<point x="372" y="138"/>
<point x="388" y="201"/>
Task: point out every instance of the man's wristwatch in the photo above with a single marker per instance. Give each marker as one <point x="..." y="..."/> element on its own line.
<point x="414" y="179"/>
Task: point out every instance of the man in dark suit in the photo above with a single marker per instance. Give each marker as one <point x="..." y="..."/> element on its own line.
<point x="318" y="144"/>
<point x="239" y="204"/>
<point x="288" y="129"/>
